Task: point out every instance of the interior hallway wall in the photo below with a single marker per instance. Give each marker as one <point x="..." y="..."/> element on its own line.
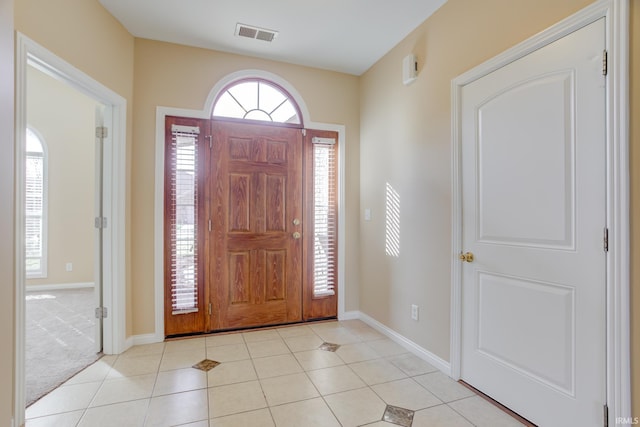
<point x="406" y="143"/>
<point x="172" y="75"/>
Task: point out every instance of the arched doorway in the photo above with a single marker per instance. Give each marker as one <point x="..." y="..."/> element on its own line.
<point x="250" y="208"/>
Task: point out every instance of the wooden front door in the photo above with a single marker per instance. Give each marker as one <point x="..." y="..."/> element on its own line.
<point x="250" y="225"/>
<point x="256" y="225"/>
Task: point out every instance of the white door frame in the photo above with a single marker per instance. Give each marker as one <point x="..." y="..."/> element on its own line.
<point x="113" y="246"/>
<point x="618" y="353"/>
<point x="205" y="113"/>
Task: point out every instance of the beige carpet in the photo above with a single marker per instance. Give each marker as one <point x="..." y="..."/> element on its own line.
<point x="59" y="338"/>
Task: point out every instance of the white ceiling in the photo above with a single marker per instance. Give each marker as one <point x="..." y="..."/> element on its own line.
<point x="342" y="35"/>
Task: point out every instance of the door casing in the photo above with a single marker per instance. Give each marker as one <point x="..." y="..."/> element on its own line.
<point x="616" y="13"/>
<point x="113" y="197"/>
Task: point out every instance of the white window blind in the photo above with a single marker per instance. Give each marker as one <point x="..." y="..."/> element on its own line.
<point x="325" y="217"/>
<point x="183" y="219"/>
<point x="35" y="227"/>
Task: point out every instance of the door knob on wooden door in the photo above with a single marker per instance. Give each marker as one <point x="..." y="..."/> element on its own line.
<point x="296" y="235"/>
<point x="468" y="257"/>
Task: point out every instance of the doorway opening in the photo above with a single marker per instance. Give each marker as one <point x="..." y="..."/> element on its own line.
<point x="108" y="112"/>
<point x="62" y="188"/>
<point x="250" y="206"/>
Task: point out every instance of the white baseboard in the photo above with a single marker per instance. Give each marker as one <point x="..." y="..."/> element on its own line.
<point x="414" y="348"/>
<point x="349" y="315"/>
<point x="58" y="286"/>
<point x="145" y="339"/>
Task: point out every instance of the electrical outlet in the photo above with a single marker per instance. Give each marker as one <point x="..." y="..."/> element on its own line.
<point x="414" y="312"/>
<point x="69" y="266"/>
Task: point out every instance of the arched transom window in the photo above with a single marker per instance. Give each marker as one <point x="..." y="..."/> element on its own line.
<point x="257" y="99"/>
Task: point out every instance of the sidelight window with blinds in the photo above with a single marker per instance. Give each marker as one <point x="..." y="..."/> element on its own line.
<point x="325" y="220"/>
<point x="182" y="218"/>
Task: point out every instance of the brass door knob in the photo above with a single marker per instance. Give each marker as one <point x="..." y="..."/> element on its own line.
<point x="297" y="235"/>
<point x="296" y="221"/>
<point x="468" y="257"/>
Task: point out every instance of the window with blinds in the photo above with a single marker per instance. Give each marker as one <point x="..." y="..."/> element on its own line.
<point x="183" y="218"/>
<point x="324" y="217"/>
<point x="35" y="208"/>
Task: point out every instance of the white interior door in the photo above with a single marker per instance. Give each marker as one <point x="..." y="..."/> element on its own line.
<point x="533" y="207"/>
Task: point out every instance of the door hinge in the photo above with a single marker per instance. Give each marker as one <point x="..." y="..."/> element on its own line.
<point x="209" y="309"/>
<point x="606" y="415"/>
<point x="209" y="225"/>
<point x="604" y="62"/>
<point x="304" y="132"/>
<point x="101" y="313"/>
<point x="210" y="137"/>
<point x="100" y="222"/>
<point x="102" y="132"/>
<point x="606" y="239"/>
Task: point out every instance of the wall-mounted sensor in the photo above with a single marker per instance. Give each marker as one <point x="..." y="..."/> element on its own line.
<point x="409" y="69"/>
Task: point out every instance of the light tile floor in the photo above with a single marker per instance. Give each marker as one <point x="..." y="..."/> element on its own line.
<point x="267" y="378"/>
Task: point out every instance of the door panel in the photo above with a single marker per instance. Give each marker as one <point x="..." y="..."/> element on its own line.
<point x="518" y="299"/>
<point x="257" y="262"/>
<point x="525" y="211"/>
<point x="533" y="177"/>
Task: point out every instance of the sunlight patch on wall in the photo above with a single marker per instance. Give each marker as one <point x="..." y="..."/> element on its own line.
<point x="392" y="241"/>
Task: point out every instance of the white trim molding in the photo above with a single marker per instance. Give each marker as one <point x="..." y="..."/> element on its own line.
<point x="205" y="113"/>
<point x="142" y="340"/>
<point x="350" y="315"/>
<point x="616" y="13"/>
<point x="28" y="52"/>
<point x="421" y="352"/>
<point x="59" y="286"/>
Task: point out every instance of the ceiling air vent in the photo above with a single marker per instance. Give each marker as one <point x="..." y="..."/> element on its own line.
<point x="243" y="30"/>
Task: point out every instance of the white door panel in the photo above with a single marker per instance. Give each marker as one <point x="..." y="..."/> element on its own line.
<point x="525" y="211"/>
<point x="533" y="182"/>
<point x="518" y="299"/>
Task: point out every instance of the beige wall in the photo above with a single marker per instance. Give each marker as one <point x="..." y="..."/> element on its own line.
<point x="406" y="141"/>
<point x="65" y="119"/>
<point x="177" y="76"/>
<point x="635" y="202"/>
<point x="7" y="208"/>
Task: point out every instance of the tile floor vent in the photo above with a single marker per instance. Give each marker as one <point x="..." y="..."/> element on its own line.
<point x="248" y="31"/>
